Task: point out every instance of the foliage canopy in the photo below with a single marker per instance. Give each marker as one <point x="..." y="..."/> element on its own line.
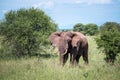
<point x="79" y="27"/>
<point x="25" y="30"/>
<point x="88" y="29"/>
<point x="109" y="40"/>
<point x="91" y="29"/>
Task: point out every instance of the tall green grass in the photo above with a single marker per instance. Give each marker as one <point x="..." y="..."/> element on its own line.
<point x="47" y="67"/>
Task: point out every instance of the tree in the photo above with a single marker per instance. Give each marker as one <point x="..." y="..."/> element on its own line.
<point x="109" y="40"/>
<point x="79" y="27"/>
<point x="109" y="25"/>
<point x="91" y="29"/>
<point x="26" y="29"/>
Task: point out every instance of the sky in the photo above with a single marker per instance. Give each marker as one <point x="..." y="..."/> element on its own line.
<point x="67" y="13"/>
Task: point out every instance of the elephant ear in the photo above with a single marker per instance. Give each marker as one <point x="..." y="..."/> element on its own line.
<point x="78" y="38"/>
<point x="54" y="38"/>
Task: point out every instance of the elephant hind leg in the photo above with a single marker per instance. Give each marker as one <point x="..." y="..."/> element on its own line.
<point x="85" y="56"/>
<point x="85" y="59"/>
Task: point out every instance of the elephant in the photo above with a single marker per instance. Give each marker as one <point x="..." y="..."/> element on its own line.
<point x="79" y="48"/>
<point x="61" y="40"/>
<point x="73" y="43"/>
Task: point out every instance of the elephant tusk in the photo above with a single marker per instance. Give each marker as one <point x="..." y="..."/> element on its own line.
<point x="65" y="51"/>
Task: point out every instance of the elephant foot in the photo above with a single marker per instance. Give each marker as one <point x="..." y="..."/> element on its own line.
<point x="86" y="63"/>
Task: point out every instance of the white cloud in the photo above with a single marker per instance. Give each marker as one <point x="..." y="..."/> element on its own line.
<point x="93" y="1"/>
<point x="47" y="4"/>
<point x="84" y="1"/>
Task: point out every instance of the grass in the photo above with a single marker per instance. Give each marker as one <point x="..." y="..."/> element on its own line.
<point x="47" y="68"/>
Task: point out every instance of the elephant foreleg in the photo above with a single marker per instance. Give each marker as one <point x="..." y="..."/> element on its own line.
<point x="72" y="59"/>
<point x="63" y="59"/>
<point x="77" y="59"/>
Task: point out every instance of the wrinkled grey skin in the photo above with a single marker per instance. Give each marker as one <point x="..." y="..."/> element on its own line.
<point x="71" y="42"/>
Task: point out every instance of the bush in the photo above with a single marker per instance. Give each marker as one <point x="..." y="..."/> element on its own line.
<point x="79" y="27"/>
<point x="25" y="30"/>
<point x="91" y="29"/>
<point x="88" y="29"/>
<point x="109" y="41"/>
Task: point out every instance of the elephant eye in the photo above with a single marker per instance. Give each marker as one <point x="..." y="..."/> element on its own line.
<point x="53" y="44"/>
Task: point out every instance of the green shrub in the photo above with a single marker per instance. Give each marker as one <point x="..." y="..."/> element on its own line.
<point x="109" y="41"/>
<point x="25" y="30"/>
<point x="88" y="29"/>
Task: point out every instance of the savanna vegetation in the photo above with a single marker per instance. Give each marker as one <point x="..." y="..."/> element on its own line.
<point x="88" y="29"/>
<point x="24" y="31"/>
<point x="25" y="52"/>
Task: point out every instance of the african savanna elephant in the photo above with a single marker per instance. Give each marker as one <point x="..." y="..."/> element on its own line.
<point x="79" y="48"/>
<point x="71" y="42"/>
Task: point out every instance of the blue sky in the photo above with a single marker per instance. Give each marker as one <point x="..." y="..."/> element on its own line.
<point x="67" y="13"/>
